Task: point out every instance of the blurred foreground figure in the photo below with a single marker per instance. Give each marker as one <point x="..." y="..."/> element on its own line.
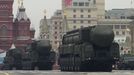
<point x="38" y="55"/>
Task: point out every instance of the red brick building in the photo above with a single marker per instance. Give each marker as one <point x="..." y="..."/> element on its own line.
<point x="14" y="30"/>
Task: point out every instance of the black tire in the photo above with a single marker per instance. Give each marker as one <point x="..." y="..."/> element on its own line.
<point x="109" y="68"/>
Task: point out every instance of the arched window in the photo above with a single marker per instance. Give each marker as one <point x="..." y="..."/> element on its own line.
<point x="3" y="31"/>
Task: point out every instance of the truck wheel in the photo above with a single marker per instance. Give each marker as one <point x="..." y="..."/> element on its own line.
<point x="108" y="68"/>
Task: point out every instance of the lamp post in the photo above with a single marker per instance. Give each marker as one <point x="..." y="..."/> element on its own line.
<point x="131" y="27"/>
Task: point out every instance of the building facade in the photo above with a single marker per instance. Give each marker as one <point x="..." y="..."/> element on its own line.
<point x="119" y="13"/>
<point x="56" y="29"/>
<point x="119" y="20"/>
<point x="52" y="29"/>
<point x="14" y="31"/>
<point x="83" y="13"/>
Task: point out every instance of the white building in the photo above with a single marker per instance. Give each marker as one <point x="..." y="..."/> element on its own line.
<point x="56" y="31"/>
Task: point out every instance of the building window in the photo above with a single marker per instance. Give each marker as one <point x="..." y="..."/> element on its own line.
<point x="55" y="23"/>
<point x="117" y="32"/>
<point x="3" y="31"/>
<point x="123" y="26"/>
<point x="122" y="17"/>
<point x="81" y="21"/>
<point x="55" y="37"/>
<point x="75" y="4"/>
<point x="81" y="16"/>
<point x="81" y="26"/>
<point x="55" y="27"/>
<point x="74" y="10"/>
<point x="89" y="16"/>
<point x="118" y="40"/>
<point x="117" y="26"/>
<point x="89" y="10"/>
<point x="74" y="21"/>
<point x="129" y="52"/>
<point x="81" y="3"/>
<point x="81" y="10"/>
<point x="89" y="21"/>
<point x="123" y="32"/>
<point x="74" y="27"/>
<point x="107" y="17"/>
<point x="87" y="4"/>
<point x="60" y="36"/>
<point x="55" y="32"/>
<point x="55" y="42"/>
<point x="74" y="16"/>
<point x="122" y="40"/>
<point x="60" y="23"/>
<point x="60" y="27"/>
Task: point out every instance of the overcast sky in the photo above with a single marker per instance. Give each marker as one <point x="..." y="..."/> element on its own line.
<point x="35" y="8"/>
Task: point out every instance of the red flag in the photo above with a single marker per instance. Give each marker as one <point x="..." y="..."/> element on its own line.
<point x="68" y="2"/>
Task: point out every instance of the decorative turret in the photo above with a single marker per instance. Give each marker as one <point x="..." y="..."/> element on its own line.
<point x="44" y="27"/>
<point x="22" y="33"/>
<point x="21" y="15"/>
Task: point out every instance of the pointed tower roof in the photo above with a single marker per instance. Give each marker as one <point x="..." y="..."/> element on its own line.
<point x="44" y="28"/>
<point x="21" y="15"/>
<point x="13" y="46"/>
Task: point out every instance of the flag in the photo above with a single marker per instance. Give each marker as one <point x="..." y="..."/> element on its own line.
<point x="68" y="2"/>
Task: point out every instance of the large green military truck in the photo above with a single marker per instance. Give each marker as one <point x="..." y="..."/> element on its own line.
<point x="88" y="49"/>
<point x="38" y="55"/>
<point x="13" y="59"/>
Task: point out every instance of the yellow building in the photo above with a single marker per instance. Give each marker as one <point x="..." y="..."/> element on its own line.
<point x="83" y="13"/>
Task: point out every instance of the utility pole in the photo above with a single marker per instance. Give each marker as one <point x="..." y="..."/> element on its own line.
<point x="65" y="23"/>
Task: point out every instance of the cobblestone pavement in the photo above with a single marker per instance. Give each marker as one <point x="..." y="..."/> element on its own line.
<point x="36" y="72"/>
